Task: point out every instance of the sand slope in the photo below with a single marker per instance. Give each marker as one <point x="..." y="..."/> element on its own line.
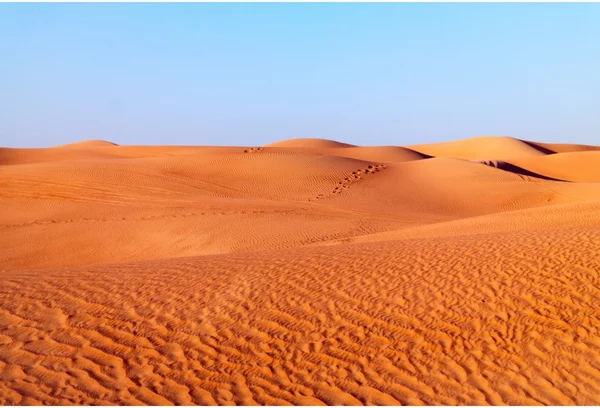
<point x="303" y="272"/>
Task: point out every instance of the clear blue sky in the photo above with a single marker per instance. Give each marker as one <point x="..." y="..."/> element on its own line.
<point x="249" y="74"/>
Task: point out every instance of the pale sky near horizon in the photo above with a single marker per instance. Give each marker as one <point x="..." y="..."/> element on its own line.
<point x="251" y="74"/>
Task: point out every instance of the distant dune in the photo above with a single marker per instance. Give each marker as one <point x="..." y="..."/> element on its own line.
<point x="309" y="143"/>
<point x="304" y="272"/>
<point x="89" y="143"/>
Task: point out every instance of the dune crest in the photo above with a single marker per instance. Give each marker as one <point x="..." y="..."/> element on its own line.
<point x="304" y="272"/>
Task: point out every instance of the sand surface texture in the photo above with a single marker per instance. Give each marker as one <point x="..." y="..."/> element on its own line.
<point x="306" y="271"/>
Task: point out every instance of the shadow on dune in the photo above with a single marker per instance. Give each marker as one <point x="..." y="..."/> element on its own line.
<point x="518" y="170"/>
<point x="536" y="146"/>
<point x="425" y="155"/>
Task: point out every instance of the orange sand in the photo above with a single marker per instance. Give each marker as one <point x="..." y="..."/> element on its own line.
<point x="303" y="272"/>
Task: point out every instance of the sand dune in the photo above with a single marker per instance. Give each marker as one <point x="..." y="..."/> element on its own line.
<point x="11" y="156"/>
<point x="306" y="271"/>
<point x="88" y="144"/>
<point x="384" y="154"/>
<point x="482" y="148"/>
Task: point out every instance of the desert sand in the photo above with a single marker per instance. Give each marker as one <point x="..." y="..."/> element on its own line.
<point x="305" y="271"/>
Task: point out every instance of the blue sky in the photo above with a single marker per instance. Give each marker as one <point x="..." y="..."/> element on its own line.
<point x="250" y="74"/>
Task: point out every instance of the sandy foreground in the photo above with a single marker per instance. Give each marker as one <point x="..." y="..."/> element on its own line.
<point x="302" y="272"/>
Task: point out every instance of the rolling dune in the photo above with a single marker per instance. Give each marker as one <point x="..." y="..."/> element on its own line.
<point x="303" y="272"/>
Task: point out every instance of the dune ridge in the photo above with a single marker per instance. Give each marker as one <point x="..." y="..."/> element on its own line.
<point x="303" y="272"/>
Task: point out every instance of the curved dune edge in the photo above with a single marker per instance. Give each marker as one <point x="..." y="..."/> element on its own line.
<point x="460" y="273"/>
